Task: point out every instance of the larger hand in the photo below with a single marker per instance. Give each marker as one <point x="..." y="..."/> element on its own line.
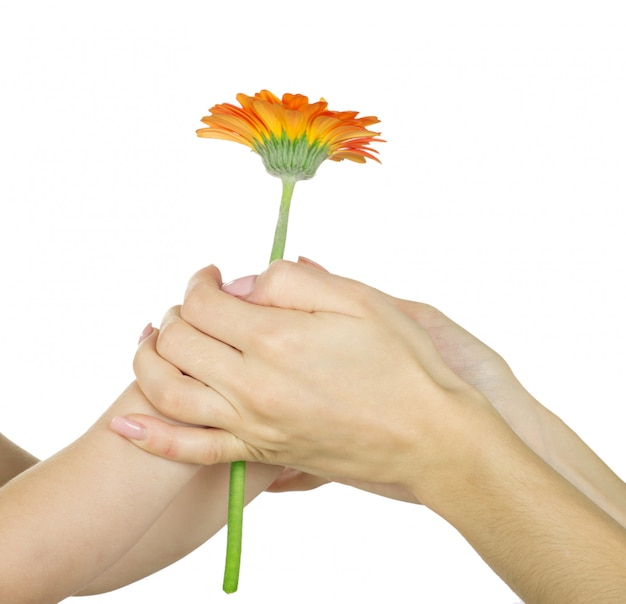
<point x="475" y="363"/>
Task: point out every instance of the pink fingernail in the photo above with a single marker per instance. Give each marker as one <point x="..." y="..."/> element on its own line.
<point x="128" y="428"/>
<point x="147" y="330"/>
<point x="241" y="287"/>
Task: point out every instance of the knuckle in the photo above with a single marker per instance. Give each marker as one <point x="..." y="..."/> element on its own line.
<point x="202" y="288"/>
<point x="429" y="317"/>
<point x="279" y="268"/>
<point x="138" y="364"/>
<point x="171" y="400"/>
<point x="364" y="299"/>
<point x="194" y="302"/>
<point x="274" y="279"/>
<point x="168" y="447"/>
<point x="424" y="314"/>
<point x="168" y="343"/>
<point x="428" y="311"/>
<point x="196" y="279"/>
<point x="211" y="452"/>
<point x="279" y="341"/>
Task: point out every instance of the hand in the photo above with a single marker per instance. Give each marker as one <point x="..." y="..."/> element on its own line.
<point x="474" y="362"/>
<point x="471" y="360"/>
<point x="330" y="379"/>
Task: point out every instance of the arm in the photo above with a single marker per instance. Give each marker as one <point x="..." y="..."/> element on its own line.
<point x="51" y="543"/>
<point x="197" y="512"/>
<point x="331" y="357"/>
<point x="91" y="518"/>
<point x="541" y="535"/>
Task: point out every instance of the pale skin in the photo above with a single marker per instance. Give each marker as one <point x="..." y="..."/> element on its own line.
<point x="297" y="359"/>
<point x="101" y="514"/>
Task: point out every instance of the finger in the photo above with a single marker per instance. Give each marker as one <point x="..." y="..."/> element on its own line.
<point x="209" y="273"/>
<point x="178" y="395"/>
<point x="295" y="480"/>
<point x="188" y="444"/>
<point x="197" y="354"/>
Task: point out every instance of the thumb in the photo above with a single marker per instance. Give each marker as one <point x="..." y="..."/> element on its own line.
<point x="295" y="480"/>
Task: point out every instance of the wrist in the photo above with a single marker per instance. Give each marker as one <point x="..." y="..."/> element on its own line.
<point x="459" y="452"/>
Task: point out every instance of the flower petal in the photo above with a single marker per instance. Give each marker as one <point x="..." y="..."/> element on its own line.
<point x="292" y="135"/>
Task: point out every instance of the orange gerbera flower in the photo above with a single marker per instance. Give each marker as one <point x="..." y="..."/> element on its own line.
<point x="292" y="136"/>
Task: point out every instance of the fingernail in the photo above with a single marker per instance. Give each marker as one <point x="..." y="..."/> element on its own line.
<point x="147" y="330"/>
<point x="303" y="260"/>
<point x="128" y="428"/>
<point x="241" y="287"/>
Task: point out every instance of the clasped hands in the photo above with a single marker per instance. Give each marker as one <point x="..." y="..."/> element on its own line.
<point x="301" y="368"/>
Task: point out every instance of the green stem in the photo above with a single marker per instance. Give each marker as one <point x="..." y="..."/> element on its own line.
<point x="238" y="468"/>
<point x="280" y="235"/>
<point x="236" y="502"/>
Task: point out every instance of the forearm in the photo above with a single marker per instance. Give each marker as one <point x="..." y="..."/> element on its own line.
<point x="13" y="460"/>
<point x="66" y="520"/>
<point x="560" y="447"/>
<point x="546" y="539"/>
<point x="195" y="515"/>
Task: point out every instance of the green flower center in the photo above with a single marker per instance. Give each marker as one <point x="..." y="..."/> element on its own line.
<point x="297" y="158"/>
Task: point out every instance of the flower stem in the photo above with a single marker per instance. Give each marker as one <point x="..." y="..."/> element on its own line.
<point x="238" y="468"/>
<point x="235" y="525"/>
<point x="280" y="235"/>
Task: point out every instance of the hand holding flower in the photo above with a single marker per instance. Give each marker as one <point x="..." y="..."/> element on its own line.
<point x="332" y="379"/>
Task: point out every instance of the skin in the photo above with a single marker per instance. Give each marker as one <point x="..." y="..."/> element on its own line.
<point x="337" y="380"/>
<point x="14" y="460"/>
<point x="49" y="552"/>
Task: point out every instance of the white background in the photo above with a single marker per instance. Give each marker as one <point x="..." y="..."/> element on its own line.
<point x="499" y="200"/>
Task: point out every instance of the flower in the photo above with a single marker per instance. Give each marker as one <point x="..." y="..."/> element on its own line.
<point x="292" y="136"/>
